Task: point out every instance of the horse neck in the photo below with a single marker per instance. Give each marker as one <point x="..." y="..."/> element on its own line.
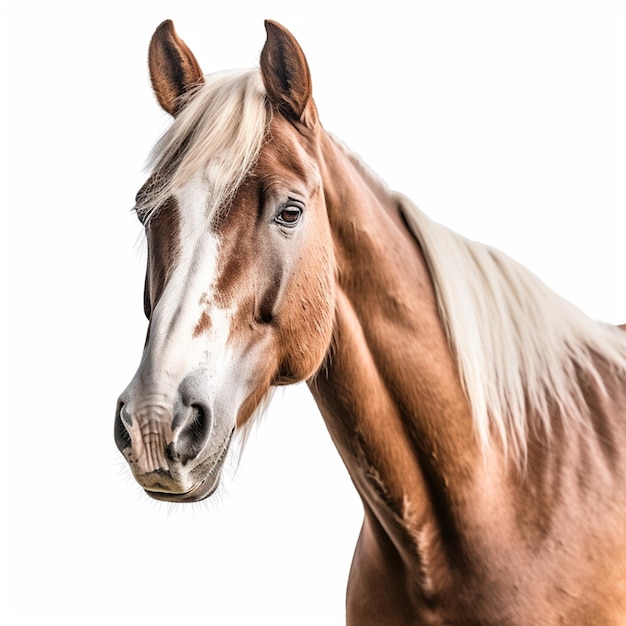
<point x="390" y="391"/>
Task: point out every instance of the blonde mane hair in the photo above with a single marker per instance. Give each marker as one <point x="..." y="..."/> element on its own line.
<point x="523" y="351"/>
<point x="219" y="131"/>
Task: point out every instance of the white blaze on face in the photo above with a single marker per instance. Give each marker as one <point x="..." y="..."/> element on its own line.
<point x="188" y="295"/>
<point x="189" y="331"/>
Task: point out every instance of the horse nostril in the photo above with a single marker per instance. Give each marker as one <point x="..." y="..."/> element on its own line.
<point x="121" y="435"/>
<point x="194" y="433"/>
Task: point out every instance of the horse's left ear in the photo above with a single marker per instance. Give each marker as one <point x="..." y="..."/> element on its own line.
<point x="173" y="67"/>
<point x="286" y="75"/>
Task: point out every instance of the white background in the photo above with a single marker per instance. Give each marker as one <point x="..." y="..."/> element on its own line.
<point x="505" y="121"/>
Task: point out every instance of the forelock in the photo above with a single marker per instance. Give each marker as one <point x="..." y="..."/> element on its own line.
<point x="218" y="135"/>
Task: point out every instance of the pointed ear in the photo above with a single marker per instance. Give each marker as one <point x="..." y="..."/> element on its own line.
<point x="286" y="74"/>
<point x="173" y="68"/>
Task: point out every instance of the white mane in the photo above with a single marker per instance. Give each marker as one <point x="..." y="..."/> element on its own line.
<point x="521" y="349"/>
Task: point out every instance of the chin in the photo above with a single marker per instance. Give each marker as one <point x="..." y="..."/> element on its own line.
<point x="200" y="492"/>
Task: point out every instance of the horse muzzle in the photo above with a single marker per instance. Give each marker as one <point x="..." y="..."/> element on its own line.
<point x="173" y="445"/>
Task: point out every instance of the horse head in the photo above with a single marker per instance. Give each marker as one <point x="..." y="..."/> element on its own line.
<point x="240" y="277"/>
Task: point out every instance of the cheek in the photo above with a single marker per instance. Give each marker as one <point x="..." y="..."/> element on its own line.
<point x="307" y="315"/>
<point x="282" y="292"/>
<point x="284" y="321"/>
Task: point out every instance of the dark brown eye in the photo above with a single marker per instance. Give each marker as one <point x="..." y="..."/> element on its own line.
<point x="289" y="216"/>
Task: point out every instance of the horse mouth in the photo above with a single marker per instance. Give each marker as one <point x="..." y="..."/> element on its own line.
<point x="199" y="492"/>
<point x="203" y="489"/>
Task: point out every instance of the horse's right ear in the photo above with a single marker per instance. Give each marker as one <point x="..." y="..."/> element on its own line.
<point x="173" y="68"/>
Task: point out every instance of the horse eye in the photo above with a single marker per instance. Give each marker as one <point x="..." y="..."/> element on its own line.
<point x="289" y="216"/>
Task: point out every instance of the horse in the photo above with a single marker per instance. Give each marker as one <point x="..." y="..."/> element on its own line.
<point x="481" y="417"/>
